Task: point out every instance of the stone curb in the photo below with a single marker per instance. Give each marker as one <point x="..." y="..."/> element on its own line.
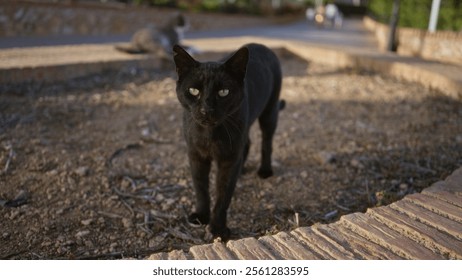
<point x="446" y="78"/>
<point x="61" y="63"/>
<point x="425" y="225"/>
<point x="35" y="64"/>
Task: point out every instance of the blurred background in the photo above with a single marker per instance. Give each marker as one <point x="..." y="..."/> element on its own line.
<point x="25" y="17"/>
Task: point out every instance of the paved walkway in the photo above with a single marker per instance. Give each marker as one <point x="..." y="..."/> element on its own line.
<point x="427" y="225"/>
<point x="352" y="34"/>
<point x="351" y="46"/>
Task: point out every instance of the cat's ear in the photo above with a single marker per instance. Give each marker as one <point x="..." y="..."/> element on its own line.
<point x="183" y="61"/>
<point x="237" y="63"/>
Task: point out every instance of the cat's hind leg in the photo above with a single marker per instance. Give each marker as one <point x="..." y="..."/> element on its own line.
<point x="268" y="122"/>
<point x="246" y="153"/>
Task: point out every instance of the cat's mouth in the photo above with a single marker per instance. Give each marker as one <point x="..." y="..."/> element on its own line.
<point x="206" y="122"/>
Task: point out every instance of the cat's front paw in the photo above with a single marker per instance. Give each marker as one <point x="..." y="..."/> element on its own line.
<point x="223" y="233"/>
<point x="265" y="173"/>
<point x="198" y="219"/>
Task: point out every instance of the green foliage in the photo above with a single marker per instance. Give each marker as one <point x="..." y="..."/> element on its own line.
<point x="256" y="7"/>
<point x="416" y="13"/>
<point x="162" y="3"/>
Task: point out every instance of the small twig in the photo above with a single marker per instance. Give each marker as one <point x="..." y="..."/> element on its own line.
<point x="37" y="256"/>
<point x="121" y="150"/>
<point x="110" y="215"/>
<point x="146" y="224"/>
<point x="297" y="220"/>
<point x="170" y="188"/>
<point x="159" y="214"/>
<point x="19" y="200"/>
<point x="344" y="208"/>
<point x="131" y="181"/>
<point x="103" y="256"/>
<point x="147" y="217"/>
<point x="183" y="236"/>
<point x="122" y="254"/>
<point x="9" y="159"/>
<point x="128" y="206"/>
<point x="145" y="229"/>
<point x="417" y="168"/>
<point x="368" y="193"/>
<point x="148" y="192"/>
<point x="280" y="219"/>
<point x="123" y="194"/>
<point x="14" y="254"/>
<point x="331" y="214"/>
<point x="156" y="140"/>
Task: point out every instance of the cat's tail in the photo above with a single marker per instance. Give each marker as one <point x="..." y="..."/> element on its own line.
<point x="128" y="48"/>
<point x="282" y="104"/>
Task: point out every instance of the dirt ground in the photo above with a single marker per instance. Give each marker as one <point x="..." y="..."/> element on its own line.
<point x="95" y="168"/>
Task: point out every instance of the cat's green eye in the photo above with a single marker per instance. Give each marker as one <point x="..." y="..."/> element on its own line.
<point x="223" y="92"/>
<point x="194" y="91"/>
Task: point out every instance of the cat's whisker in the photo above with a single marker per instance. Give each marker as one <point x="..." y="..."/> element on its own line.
<point x="233" y="123"/>
<point x="235" y="109"/>
<point x="229" y="136"/>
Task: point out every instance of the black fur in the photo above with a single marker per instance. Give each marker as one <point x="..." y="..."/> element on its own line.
<point x="216" y="128"/>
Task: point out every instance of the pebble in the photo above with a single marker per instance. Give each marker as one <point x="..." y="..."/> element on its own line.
<point x="169" y="201"/>
<point x="53" y="172"/>
<point x="403" y="186"/>
<point x="86" y="222"/>
<point x="159" y="197"/>
<point x="145" y="132"/>
<point x="356" y="163"/>
<point x="331" y="214"/>
<point x="14" y="214"/>
<point x="46" y="244"/>
<point x="325" y="157"/>
<point x="82" y="233"/>
<point x="270" y="206"/>
<point x="61" y="238"/>
<point x="82" y="171"/>
<point x="113" y="246"/>
<point x="182" y="182"/>
<point x="128" y="223"/>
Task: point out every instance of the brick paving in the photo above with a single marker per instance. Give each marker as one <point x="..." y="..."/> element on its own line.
<point x="421" y="226"/>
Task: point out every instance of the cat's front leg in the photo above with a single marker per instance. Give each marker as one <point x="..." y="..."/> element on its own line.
<point x="228" y="173"/>
<point x="200" y="169"/>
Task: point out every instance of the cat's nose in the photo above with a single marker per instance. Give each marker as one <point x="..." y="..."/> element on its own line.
<point x="205" y="110"/>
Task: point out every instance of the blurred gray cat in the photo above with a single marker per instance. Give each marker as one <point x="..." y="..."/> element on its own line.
<point x="155" y="40"/>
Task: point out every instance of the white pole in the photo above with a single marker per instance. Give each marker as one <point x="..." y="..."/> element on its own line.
<point x="434" y="15"/>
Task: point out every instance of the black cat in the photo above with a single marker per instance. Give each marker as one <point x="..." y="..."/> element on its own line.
<point x="221" y="100"/>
